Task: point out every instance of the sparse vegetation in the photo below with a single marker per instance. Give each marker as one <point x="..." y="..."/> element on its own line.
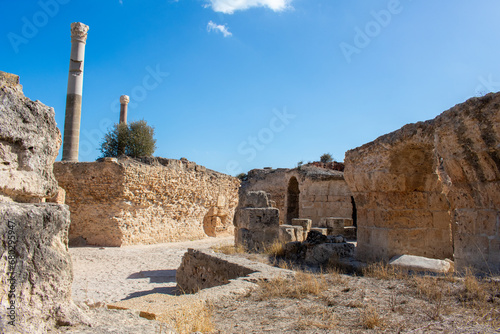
<point x="190" y="317"/>
<point x="135" y="140"/>
<point x="384" y="299"/>
<point x="304" y="284"/>
<point x="327" y="157"/>
<point x="370" y="318"/>
<point x="276" y="249"/>
<point x="229" y="249"/>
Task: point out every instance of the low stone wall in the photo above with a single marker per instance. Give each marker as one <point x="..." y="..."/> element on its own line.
<point x="214" y="275"/>
<point x="200" y="270"/>
<point x="432" y="188"/>
<point x="130" y="201"/>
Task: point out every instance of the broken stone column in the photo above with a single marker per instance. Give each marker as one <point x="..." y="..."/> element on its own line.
<point x="124" y="100"/>
<point x="74" y="94"/>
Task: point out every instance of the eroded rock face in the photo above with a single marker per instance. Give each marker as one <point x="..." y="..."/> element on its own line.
<point x="432" y="188"/>
<point x="37" y="266"/>
<point x="29" y="143"/>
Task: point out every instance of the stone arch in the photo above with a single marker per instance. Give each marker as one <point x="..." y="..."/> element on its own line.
<point x="292" y="203"/>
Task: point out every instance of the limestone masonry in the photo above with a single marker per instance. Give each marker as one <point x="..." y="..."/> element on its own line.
<point x="432" y="188"/>
<point x="308" y="192"/>
<point x="116" y="202"/>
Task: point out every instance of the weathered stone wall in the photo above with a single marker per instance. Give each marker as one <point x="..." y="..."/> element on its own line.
<point x="322" y="192"/>
<point x="324" y="195"/>
<point x="200" y="270"/>
<point x="432" y="188"/>
<point x="272" y="181"/>
<point x="35" y="265"/>
<point x="127" y="201"/>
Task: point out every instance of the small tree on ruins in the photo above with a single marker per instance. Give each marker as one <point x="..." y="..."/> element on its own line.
<point x="135" y="140"/>
<point x="327" y="157"/>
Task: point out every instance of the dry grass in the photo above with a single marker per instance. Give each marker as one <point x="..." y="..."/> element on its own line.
<point x="189" y="318"/>
<point x="384" y="271"/>
<point x="304" y="284"/>
<point x="370" y="319"/>
<point x="229" y="249"/>
<point x="276" y="249"/>
<point x="316" y="316"/>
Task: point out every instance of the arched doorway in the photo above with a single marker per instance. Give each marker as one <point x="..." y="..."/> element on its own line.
<point x="292" y="207"/>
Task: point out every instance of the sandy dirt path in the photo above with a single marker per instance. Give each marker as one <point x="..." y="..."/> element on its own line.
<point x="111" y="274"/>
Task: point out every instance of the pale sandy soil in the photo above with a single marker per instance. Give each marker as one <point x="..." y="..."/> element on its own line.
<point x="105" y="275"/>
<point x="111" y="274"/>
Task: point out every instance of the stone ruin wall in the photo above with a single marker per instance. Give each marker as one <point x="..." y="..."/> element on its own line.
<point x="432" y="188"/>
<point x="126" y="201"/>
<point x="36" y="272"/>
<point x="326" y="196"/>
<point x="323" y="193"/>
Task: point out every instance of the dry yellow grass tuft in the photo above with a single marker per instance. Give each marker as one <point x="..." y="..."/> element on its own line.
<point x="382" y="270"/>
<point x="189" y="318"/>
<point x="276" y="249"/>
<point x="229" y="249"/>
<point x="370" y="319"/>
<point x="304" y="284"/>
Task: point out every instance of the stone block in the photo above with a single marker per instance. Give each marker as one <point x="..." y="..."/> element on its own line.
<point x="256" y="199"/>
<point x="321" y="230"/>
<point x="305" y="223"/>
<point x="320" y="254"/>
<point x="350" y="232"/>
<point x="421" y="264"/>
<point x="287" y="233"/>
<point x="348" y="222"/>
<point x="300" y="234"/>
<point x="334" y="225"/>
<point x="258" y="218"/>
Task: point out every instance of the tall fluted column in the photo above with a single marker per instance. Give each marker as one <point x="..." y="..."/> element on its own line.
<point x="74" y="95"/>
<point x="124" y="100"/>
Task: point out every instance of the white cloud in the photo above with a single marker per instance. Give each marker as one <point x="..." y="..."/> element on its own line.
<point x="230" y="6"/>
<point x="218" y="27"/>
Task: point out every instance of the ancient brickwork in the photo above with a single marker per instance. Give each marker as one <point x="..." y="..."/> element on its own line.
<point x="308" y="192"/>
<point x="432" y="188"/>
<point x="127" y="201"/>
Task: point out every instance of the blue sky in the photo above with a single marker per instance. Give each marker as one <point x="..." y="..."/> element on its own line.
<point x="242" y="84"/>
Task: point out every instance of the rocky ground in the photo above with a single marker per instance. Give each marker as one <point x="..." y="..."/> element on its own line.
<point x="383" y="302"/>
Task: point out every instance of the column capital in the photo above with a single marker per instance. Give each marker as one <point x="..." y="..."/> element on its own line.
<point x="79" y="32"/>
<point x="124" y="99"/>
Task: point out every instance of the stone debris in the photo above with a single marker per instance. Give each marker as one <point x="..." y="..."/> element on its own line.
<point x="421" y="264"/>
